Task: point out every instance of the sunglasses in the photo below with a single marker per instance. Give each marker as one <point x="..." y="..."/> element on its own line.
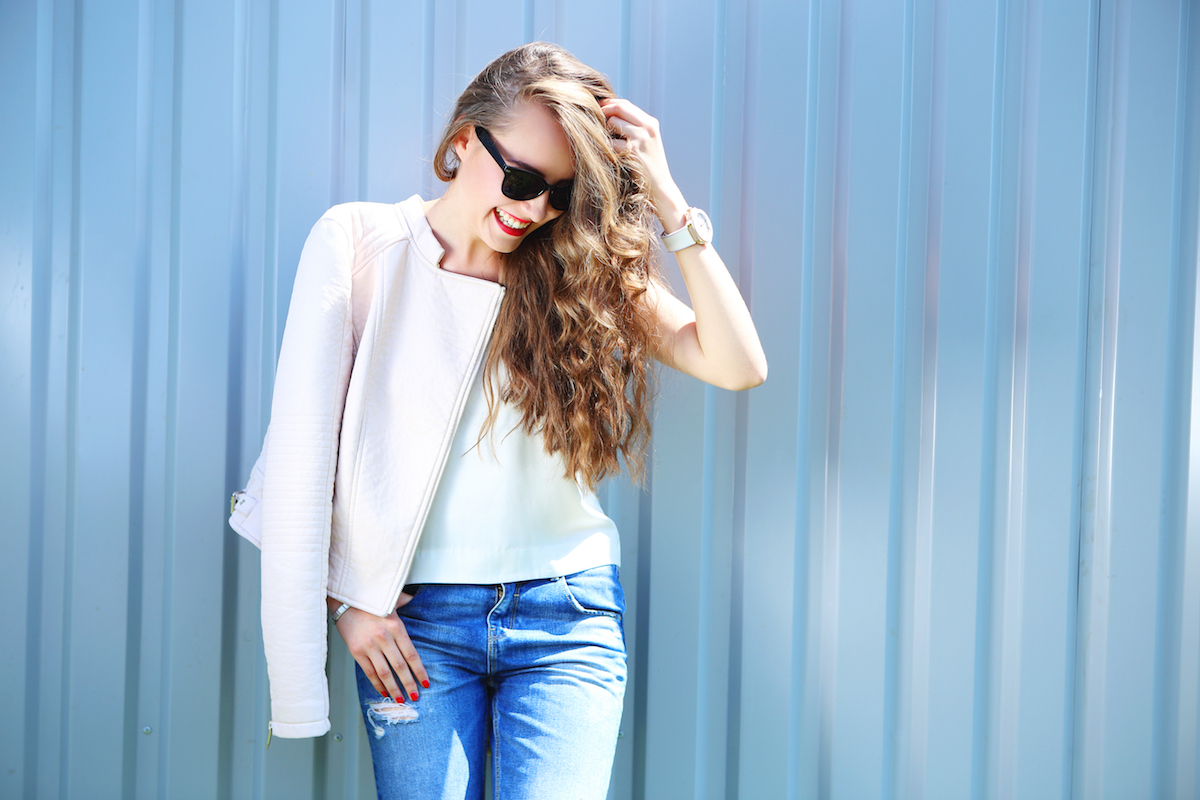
<point x="521" y="184"/>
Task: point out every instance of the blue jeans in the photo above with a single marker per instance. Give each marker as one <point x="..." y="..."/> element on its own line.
<point x="535" y="669"/>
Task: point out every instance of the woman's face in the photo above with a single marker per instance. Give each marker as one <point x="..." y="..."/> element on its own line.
<point x="532" y="141"/>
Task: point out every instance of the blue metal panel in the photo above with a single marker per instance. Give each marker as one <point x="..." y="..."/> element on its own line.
<point x="22" y="130"/>
<point x="950" y="549"/>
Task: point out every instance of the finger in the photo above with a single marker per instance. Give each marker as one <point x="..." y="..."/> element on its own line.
<point x="619" y="126"/>
<point x="391" y="687"/>
<point x="372" y="674"/>
<point x="627" y="111"/>
<point x="402" y="672"/>
<point x="413" y="660"/>
<point x="405" y="599"/>
<point x="406" y="660"/>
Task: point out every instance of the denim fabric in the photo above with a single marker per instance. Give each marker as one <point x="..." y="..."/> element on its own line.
<point x="534" y="669"/>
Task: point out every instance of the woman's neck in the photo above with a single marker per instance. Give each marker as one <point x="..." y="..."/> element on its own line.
<point x="463" y="252"/>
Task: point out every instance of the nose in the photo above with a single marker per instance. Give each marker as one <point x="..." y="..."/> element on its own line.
<point x="539" y="207"/>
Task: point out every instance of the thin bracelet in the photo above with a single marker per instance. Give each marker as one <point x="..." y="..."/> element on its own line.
<point x="338" y="614"/>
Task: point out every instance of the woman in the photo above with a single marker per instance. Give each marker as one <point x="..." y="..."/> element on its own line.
<point x="456" y="376"/>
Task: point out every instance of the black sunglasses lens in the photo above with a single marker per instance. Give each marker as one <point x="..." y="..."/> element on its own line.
<point x="521" y="185"/>
<point x="560" y="197"/>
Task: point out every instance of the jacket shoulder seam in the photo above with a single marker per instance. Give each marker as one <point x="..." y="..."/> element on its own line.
<point x="378" y="240"/>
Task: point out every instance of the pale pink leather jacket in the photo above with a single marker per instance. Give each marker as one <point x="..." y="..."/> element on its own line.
<point x="378" y="356"/>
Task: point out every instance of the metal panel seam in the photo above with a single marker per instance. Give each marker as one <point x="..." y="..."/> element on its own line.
<point x="73" y="364"/>
<point x="39" y="383"/>
<point x="1079" y="435"/>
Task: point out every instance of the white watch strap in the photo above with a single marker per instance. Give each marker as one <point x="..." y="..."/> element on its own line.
<point x="681" y="238"/>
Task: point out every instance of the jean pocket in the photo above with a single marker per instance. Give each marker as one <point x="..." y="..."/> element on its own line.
<point x="414" y="589"/>
<point x="596" y="591"/>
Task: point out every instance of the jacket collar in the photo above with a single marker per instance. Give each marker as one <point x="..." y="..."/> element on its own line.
<point x="422" y="235"/>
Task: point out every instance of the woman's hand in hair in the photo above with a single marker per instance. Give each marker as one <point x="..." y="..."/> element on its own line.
<point x="382" y="648"/>
<point x="715" y="339"/>
<point x="640" y="135"/>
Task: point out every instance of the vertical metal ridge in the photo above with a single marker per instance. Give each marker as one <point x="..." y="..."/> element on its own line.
<point x="262" y="700"/>
<point x="74" y="336"/>
<point x="39" y="386"/>
<point x="623" y="47"/>
<point x="981" y="720"/>
<point x="271" y="332"/>
<point x="1007" y="685"/>
<point x="929" y="272"/>
<point x="656" y="61"/>
<point x="272" y="313"/>
<point x="641" y="669"/>
<point x="337" y="104"/>
<point x="1174" y="696"/>
<point x="428" y="16"/>
<point x="235" y="376"/>
<point x="802" y="705"/>
<point x="350" y="71"/>
<point x="1186" y="781"/>
<point x="138" y="393"/>
<point x="709" y="457"/>
<point x="364" y="103"/>
<point x="831" y="535"/>
<point x="1081" y="432"/>
<point x="894" y="707"/>
<point x="1096" y="527"/>
<point x="461" y="15"/>
<point x="922" y="576"/>
<point x="170" y="461"/>
<point x="737" y="587"/>
<point x="1187" y="745"/>
<point x="737" y="567"/>
<point x="717" y="119"/>
<point x="708" y="472"/>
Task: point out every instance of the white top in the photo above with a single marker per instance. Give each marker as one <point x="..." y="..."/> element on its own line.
<point x="504" y="510"/>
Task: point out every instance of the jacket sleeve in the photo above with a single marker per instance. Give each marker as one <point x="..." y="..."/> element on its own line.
<point x="306" y="414"/>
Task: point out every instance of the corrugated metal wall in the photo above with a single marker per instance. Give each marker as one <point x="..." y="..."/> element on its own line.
<point x="950" y="549"/>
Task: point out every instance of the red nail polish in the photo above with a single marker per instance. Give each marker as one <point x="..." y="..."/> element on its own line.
<point x="425" y="684"/>
<point x="414" y="695"/>
<point x="399" y="699"/>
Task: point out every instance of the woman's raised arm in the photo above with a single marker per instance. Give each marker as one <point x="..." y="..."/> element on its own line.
<point x="715" y="339"/>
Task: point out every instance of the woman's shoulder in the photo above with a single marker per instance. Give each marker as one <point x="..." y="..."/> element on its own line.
<point x="362" y="219"/>
<point x="370" y="226"/>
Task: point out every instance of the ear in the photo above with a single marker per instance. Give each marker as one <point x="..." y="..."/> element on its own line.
<point x="461" y="140"/>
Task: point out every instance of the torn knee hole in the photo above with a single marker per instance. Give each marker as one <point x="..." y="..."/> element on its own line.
<point x="390" y="712"/>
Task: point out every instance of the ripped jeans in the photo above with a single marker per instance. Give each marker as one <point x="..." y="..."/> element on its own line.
<point x="535" y="670"/>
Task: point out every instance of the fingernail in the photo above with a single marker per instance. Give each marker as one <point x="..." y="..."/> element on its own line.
<point x="414" y="695"/>
<point x="425" y="684"/>
<point x="399" y="699"/>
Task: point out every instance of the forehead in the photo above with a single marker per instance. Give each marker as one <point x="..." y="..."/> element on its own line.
<point x="534" y="140"/>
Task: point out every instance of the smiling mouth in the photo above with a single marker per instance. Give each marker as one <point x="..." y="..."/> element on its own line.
<point x="510" y="224"/>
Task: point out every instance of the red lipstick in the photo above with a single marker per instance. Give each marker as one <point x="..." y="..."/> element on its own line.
<point x="505" y="228"/>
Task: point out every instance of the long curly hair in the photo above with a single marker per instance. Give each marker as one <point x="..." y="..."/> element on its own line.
<point x="574" y="331"/>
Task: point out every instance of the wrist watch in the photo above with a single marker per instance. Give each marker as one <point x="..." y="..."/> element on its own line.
<point x="697" y="229"/>
<point x="335" y="616"/>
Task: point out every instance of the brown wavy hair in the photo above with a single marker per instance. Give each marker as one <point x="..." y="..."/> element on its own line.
<point x="574" y="332"/>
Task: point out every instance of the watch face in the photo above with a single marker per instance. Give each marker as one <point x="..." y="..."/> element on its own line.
<point x="702" y="225"/>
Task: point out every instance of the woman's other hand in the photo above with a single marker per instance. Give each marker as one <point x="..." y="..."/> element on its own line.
<point x="641" y="136"/>
<point x="382" y="648"/>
